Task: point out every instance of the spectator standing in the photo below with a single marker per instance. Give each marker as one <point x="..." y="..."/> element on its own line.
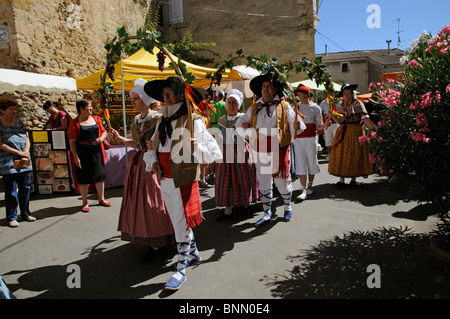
<point x="86" y="135"/>
<point x="58" y="119"/>
<point x="15" y="163"/>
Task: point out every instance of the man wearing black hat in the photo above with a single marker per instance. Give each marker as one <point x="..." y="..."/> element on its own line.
<point x="270" y="124"/>
<point x="175" y="158"/>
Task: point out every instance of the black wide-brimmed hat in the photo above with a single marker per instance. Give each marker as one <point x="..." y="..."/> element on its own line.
<point x="257" y="82"/>
<point x="347" y="87"/>
<point x="155" y="88"/>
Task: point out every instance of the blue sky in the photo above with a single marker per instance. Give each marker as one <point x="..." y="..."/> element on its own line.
<point x="343" y="24"/>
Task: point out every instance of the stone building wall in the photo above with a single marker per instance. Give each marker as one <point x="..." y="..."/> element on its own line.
<point x="64" y="37"/>
<point x="280" y="29"/>
<point x="60" y="37"/>
<point x="67" y="37"/>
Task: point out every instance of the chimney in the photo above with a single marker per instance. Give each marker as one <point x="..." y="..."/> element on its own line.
<point x="389" y="46"/>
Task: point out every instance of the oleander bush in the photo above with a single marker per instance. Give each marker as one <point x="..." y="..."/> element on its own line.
<point x="410" y="144"/>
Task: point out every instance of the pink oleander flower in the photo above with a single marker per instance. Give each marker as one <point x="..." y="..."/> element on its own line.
<point x="373" y="134"/>
<point x="389" y="99"/>
<point x="426" y="100"/>
<point x="395" y="93"/>
<point x="437" y="96"/>
<point x="416" y="136"/>
<point x="447" y="89"/>
<point x="413" y="106"/>
<point x="363" y="139"/>
<point x="443" y="50"/>
<point x="445" y="30"/>
<point x="413" y="64"/>
<point x="372" y="158"/>
<point x="421" y="121"/>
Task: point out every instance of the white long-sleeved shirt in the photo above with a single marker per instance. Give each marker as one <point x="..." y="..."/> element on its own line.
<point x="208" y="151"/>
<point x="312" y="113"/>
<point x="264" y="121"/>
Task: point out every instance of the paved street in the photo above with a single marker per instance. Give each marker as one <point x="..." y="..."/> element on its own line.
<point x="324" y="252"/>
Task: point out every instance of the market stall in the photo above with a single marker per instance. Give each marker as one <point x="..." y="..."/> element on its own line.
<point x="14" y="80"/>
<point x="143" y="64"/>
<point x="49" y="149"/>
<point x="51" y="163"/>
<point x="115" y="167"/>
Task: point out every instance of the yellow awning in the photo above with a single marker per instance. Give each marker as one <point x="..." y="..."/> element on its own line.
<point x="144" y="65"/>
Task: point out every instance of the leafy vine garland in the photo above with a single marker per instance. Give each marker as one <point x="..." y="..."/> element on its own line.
<point x="123" y="43"/>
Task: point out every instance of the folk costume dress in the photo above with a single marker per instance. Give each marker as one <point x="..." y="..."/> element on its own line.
<point x="235" y="183"/>
<point x="348" y="158"/>
<point x="271" y="130"/>
<point x="143" y="219"/>
<point x="305" y="143"/>
<point x="179" y="183"/>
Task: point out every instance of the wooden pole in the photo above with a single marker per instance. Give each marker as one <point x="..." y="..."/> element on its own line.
<point x="293" y="96"/>
<point x="188" y="102"/>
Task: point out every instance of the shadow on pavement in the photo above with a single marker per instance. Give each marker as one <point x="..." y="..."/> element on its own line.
<point x="338" y="268"/>
<point x="105" y="273"/>
<point x="367" y="194"/>
<point x="112" y="270"/>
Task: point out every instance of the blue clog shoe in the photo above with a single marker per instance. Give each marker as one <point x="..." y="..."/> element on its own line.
<point x="175" y="281"/>
<point x="287" y="215"/>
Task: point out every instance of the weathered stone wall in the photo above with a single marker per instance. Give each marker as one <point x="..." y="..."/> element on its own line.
<point x="64" y="37"/>
<point x="30" y="110"/>
<point x="281" y="29"/>
<point x="67" y="37"/>
<point x="61" y="37"/>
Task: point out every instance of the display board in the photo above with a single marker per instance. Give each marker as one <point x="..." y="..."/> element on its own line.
<point x="50" y="162"/>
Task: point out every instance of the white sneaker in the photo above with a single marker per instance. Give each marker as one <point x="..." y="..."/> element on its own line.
<point x="302" y="196"/>
<point x="228" y="210"/>
<point x="13" y="224"/>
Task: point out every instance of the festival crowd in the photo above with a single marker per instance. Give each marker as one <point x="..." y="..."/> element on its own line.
<point x="243" y="155"/>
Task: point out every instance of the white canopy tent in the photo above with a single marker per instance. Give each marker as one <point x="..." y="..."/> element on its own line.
<point x="313" y="86"/>
<point x="14" y="80"/>
<point x="246" y="73"/>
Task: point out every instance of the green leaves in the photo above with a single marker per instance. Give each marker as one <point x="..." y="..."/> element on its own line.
<point x="415" y="131"/>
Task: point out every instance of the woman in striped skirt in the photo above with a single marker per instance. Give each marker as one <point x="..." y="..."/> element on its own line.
<point x="143" y="219"/>
<point x="235" y="182"/>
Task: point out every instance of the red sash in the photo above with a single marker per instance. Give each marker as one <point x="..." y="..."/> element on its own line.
<point x="260" y="145"/>
<point x="164" y="160"/>
<point x="190" y="194"/>
<point x="309" y="132"/>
